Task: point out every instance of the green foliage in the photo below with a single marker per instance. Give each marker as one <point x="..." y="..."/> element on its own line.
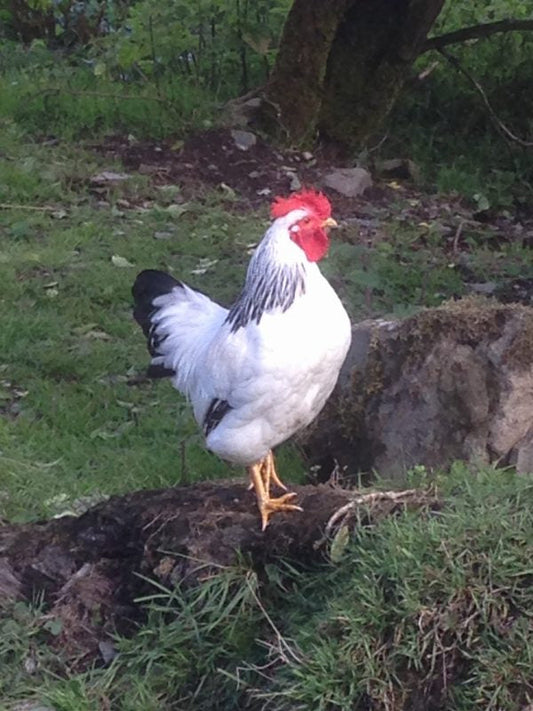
<point x="424" y="612"/>
<point x="43" y="93"/>
<point x="456" y="140"/>
<point x="223" y="45"/>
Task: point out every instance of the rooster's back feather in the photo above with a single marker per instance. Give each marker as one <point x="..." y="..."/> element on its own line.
<point x="177" y="321"/>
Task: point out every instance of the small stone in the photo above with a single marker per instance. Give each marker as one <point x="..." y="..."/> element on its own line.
<point x="295" y="182"/>
<point x="162" y="234"/>
<point x="399" y="168"/>
<point x="108" y="650"/>
<point x="244" y="140"/>
<point x="487" y="288"/>
<point x="350" y="182"/>
<point x="254" y="174"/>
<point x="306" y="155"/>
<point x="108" y="176"/>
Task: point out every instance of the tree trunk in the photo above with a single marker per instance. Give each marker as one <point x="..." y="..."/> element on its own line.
<point x="341" y="66"/>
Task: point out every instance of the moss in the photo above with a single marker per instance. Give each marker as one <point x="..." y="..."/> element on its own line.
<point x="364" y="385"/>
<point x="520" y="352"/>
<point x="469" y="321"/>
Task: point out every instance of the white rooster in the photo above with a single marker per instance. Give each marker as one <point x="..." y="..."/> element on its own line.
<point x="258" y="373"/>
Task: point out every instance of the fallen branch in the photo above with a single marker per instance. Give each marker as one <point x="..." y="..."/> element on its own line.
<point x="38" y="208"/>
<point x="476" y="32"/>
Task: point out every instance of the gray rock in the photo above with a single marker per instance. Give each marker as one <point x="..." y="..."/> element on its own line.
<point x="108" y="650"/>
<point x="349" y="182"/>
<point x="452" y="383"/>
<point x="295" y="183"/>
<point x="240" y="113"/>
<point x="244" y="140"/>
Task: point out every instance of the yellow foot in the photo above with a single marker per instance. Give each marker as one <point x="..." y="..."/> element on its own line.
<point x="269" y="506"/>
<point x="269" y="473"/>
<point x="260" y="477"/>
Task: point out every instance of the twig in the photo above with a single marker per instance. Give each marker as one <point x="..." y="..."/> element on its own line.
<point x="495" y="118"/>
<point x="427" y="71"/>
<point x="476" y="32"/>
<point x="44" y="208"/>
<point x="283" y="646"/>
<point x="457" y="237"/>
<point x="371" y="498"/>
<point x="379" y="143"/>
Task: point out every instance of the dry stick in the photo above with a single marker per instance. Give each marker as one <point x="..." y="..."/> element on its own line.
<point x="44" y="208"/>
<point x="496" y="120"/>
<point x="371" y="498"/>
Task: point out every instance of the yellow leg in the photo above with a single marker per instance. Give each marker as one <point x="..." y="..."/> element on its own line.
<point x="268" y="506"/>
<point x="268" y="472"/>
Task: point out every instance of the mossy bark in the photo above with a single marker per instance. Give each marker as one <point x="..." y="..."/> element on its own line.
<point x="293" y="96"/>
<point x="341" y="66"/>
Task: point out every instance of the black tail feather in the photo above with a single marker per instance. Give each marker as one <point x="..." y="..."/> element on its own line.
<point x="148" y="285"/>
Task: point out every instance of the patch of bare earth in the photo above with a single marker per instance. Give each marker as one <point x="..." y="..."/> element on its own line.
<point x="252" y="176"/>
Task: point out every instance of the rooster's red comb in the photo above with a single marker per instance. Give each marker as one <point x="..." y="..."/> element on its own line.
<point x="307" y="199"/>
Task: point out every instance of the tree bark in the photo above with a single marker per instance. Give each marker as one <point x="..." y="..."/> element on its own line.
<point x="341" y="65"/>
<point x="374" y="47"/>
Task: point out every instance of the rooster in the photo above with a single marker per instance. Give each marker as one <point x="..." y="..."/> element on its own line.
<point x="259" y="372"/>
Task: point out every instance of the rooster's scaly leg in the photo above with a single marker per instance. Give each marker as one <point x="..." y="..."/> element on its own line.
<point x="268" y="506"/>
<point x="269" y="473"/>
<point x="267" y="469"/>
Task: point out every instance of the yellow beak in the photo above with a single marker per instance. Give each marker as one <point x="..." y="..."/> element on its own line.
<point x="330" y="222"/>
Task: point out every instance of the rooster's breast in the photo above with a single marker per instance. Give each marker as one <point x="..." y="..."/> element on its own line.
<point x="279" y="374"/>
